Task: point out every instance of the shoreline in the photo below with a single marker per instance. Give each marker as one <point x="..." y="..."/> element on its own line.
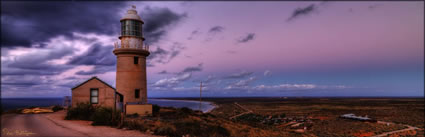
<point x="214" y="106"/>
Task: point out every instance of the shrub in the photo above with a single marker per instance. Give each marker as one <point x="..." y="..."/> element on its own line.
<point x="57" y="108"/>
<point x="186" y="110"/>
<point x="105" y="116"/>
<point x="197" y="128"/>
<point x="82" y="111"/>
<point x="155" y="109"/>
<point x="134" y="124"/>
<point x="166" y="130"/>
<point x="217" y="131"/>
<point x="187" y="126"/>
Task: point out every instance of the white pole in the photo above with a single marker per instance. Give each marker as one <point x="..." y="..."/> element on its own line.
<point x="200" y="97"/>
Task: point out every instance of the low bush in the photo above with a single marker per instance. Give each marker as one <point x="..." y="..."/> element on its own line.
<point x="99" y="115"/>
<point x="134" y="115"/>
<point x="57" y="108"/>
<point x="83" y="111"/>
<point x="187" y="126"/>
<point x="155" y="110"/>
<point x="105" y="116"/>
<point x="217" y="131"/>
<point x="134" y="124"/>
<point x="186" y="110"/>
<point x="166" y="130"/>
<point x="198" y="128"/>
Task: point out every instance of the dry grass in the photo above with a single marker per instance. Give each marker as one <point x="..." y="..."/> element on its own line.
<point x="398" y="110"/>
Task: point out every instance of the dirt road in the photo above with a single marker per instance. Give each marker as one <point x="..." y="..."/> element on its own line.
<point x="53" y="124"/>
<point x="397" y="131"/>
<point x="33" y="125"/>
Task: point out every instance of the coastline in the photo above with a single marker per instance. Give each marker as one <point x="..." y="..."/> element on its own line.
<point x="214" y="106"/>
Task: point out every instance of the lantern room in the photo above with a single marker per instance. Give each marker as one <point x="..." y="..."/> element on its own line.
<point x="131" y="24"/>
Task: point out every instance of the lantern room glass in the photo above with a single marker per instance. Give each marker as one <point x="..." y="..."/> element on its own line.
<point x="131" y="28"/>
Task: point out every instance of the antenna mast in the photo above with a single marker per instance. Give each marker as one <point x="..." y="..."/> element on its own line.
<point x="200" y="97"/>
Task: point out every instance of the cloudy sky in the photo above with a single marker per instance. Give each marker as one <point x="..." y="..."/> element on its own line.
<point x="235" y="48"/>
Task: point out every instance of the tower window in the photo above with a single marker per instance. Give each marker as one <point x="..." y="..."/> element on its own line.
<point x="131" y="28"/>
<point x="137" y="93"/>
<point x="136" y="60"/>
<point x="94" y="95"/>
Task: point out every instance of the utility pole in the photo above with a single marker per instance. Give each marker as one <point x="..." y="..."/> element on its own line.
<point x="200" y="97"/>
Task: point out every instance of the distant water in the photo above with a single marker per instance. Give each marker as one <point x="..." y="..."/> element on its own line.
<point x="15" y="103"/>
<point x="194" y="105"/>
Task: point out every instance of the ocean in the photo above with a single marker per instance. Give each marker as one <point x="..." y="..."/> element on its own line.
<point x="15" y="103"/>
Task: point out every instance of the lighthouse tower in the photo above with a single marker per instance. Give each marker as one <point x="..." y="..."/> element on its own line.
<point x="131" y="59"/>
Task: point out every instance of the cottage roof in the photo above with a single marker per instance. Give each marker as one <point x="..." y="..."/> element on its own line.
<point x="90" y="80"/>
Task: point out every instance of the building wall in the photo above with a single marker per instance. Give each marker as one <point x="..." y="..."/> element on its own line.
<point x="82" y="94"/>
<point x="131" y="76"/>
<point x="141" y="109"/>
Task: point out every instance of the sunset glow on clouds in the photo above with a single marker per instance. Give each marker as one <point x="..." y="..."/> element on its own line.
<point x="234" y="48"/>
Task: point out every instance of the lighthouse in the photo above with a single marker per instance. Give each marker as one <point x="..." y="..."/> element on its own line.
<point x="131" y="55"/>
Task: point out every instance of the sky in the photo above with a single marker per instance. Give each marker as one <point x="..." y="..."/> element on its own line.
<point x="237" y="49"/>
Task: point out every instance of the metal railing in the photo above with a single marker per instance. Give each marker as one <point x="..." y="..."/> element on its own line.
<point x="118" y="45"/>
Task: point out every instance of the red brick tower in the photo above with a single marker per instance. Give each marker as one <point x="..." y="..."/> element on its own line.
<point x="131" y="59"/>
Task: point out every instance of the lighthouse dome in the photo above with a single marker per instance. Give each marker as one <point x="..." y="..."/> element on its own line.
<point x="132" y="14"/>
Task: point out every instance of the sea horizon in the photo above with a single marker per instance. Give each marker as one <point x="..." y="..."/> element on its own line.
<point x="19" y="103"/>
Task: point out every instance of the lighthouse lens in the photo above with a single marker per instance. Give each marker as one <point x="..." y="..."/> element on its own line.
<point x="131" y="28"/>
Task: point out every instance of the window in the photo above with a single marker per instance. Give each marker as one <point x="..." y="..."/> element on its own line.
<point x="136" y="60"/>
<point x="137" y="93"/>
<point x="131" y="28"/>
<point x="94" y="95"/>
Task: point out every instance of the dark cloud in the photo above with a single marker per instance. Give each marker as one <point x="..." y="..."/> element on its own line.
<point x="158" y="56"/>
<point x="302" y="11"/>
<point x="239" y="75"/>
<point x="96" y="55"/>
<point x="24" y="81"/>
<point x="212" y="32"/>
<point x="26" y="84"/>
<point x="216" y="29"/>
<point x="163" y="56"/>
<point x="157" y="21"/>
<point x="34" y="23"/>
<point x="193" y="34"/>
<point x="247" y="38"/>
<point x="36" y="63"/>
<point x="189" y="69"/>
<point x="15" y="71"/>
<point x="27" y="23"/>
<point x="38" y="60"/>
<point x="193" y="68"/>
